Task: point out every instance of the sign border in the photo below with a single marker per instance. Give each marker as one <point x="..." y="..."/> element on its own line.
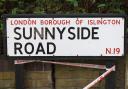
<point x="6" y="16"/>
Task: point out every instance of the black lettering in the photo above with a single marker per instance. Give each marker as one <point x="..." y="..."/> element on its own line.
<point x="94" y="33"/>
<point x="15" y="31"/>
<point x="61" y="32"/>
<point x="51" y="34"/>
<point x="73" y="34"/>
<point x="30" y="34"/>
<point x="40" y="48"/>
<point x="49" y="45"/>
<point x="29" y="48"/>
<point x="83" y="33"/>
<point x="17" y="47"/>
<point x="78" y="33"/>
<point x="39" y="34"/>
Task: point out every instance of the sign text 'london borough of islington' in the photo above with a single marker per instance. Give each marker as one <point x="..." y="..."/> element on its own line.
<point x="65" y="36"/>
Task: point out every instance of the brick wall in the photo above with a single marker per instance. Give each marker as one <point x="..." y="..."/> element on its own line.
<point x="7" y="80"/>
<point x="75" y="77"/>
<point x="38" y="80"/>
<point x="38" y="76"/>
<point x="7" y="75"/>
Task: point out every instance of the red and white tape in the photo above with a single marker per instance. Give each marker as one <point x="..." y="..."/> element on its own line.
<point x="22" y="61"/>
<point x="100" y="78"/>
<point x="64" y="63"/>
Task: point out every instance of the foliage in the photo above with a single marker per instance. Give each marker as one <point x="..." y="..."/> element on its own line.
<point x="62" y="6"/>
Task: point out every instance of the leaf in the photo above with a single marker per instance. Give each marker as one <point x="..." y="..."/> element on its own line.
<point x="118" y="10"/>
<point x="70" y="0"/>
<point x="14" y="10"/>
<point x="93" y="1"/>
<point x="1" y="26"/>
<point x="74" y="2"/>
<point x="38" y="10"/>
<point x="101" y="5"/>
<point x="13" y="0"/>
<point x="1" y="4"/>
<point x="2" y="0"/>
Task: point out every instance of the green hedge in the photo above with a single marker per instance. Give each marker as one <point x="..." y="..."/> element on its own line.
<point x="61" y="7"/>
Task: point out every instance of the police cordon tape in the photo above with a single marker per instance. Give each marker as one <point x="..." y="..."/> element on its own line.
<point x="64" y="63"/>
<point x="100" y="78"/>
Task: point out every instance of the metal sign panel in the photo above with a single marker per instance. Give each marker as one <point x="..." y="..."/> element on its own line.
<point x="65" y="35"/>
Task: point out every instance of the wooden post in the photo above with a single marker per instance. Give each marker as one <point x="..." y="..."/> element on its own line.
<point x="53" y="76"/>
<point x="110" y="79"/>
<point x="19" y="76"/>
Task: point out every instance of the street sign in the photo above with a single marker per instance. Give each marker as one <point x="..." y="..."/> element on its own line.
<point x="65" y="35"/>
